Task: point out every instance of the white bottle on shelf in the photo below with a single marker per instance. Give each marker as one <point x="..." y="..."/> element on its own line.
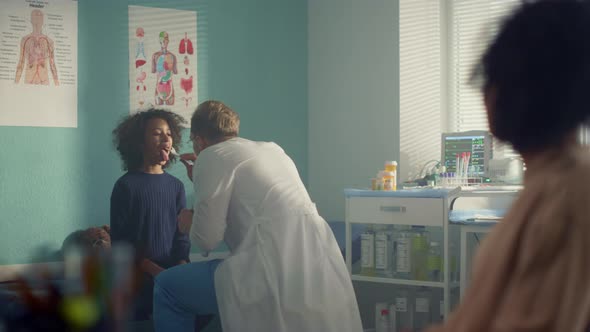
<point x="403" y="310"/>
<point x="422" y="309"/>
<point x="383" y="251"/>
<point x="379" y="307"/>
<point x="403" y="254"/>
<point x="368" y="252"/>
<point x="392" y="318"/>
<point x="383" y="323"/>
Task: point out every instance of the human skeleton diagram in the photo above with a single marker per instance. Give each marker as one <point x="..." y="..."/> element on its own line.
<point x="36" y="49"/>
<point x="164" y="65"/>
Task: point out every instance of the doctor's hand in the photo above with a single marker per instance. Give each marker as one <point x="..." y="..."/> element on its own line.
<point x="188" y="159"/>
<point x="185" y="220"/>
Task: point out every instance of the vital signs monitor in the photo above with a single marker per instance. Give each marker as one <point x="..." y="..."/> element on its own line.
<point x="477" y="143"/>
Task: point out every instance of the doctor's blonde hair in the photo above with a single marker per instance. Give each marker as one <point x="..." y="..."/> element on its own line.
<point x="215" y="121"/>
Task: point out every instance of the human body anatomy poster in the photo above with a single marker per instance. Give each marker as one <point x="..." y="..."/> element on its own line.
<point x="39" y="63"/>
<point x="163" y="59"/>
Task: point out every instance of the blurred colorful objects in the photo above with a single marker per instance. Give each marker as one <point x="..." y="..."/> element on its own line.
<point x="95" y="295"/>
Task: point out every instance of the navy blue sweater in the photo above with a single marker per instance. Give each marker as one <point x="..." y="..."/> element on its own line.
<point x="144" y="210"/>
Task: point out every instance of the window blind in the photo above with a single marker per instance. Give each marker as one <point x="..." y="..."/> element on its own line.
<point x="473" y="23"/>
<point x="420" y="84"/>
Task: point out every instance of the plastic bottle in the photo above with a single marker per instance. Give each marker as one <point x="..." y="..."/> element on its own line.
<point x="368" y="252"/>
<point x="383" y="251"/>
<point x="403" y="257"/>
<point x="422" y="309"/>
<point x="379" y="307"/>
<point x="403" y="310"/>
<point x="436" y="305"/>
<point x="434" y="262"/>
<point x="419" y="253"/>
<point x="392" y="318"/>
<point x="437" y="180"/>
<point x="373" y="183"/>
<point x="429" y="178"/>
<point x="379" y="181"/>
<point x="440" y="315"/>
<point x="383" y="323"/>
<point x="389" y="181"/>
<point x="390" y="230"/>
<point x="391" y="166"/>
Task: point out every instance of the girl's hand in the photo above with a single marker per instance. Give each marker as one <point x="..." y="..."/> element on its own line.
<point x="150" y="267"/>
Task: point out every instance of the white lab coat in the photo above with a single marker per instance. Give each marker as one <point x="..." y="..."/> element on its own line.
<point x="285" y="271"/>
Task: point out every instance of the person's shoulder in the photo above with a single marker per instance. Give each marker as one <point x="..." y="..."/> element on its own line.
<point x="226" y="153"/>
<point x="132" y="179"/>
<point x="124" y="179"/>
<point x="173" y="179"/>
<point x="222" y="148"/>
<point x="269" y="146"/>
<point x="236" y="150"/>
<point x="238" y="141"/>
<point x="123" y="184"/>
<point x="274" y="145"/>
<point x="128" y="179"/>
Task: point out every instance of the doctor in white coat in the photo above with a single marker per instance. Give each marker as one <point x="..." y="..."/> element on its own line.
<point x="285" y="271"/>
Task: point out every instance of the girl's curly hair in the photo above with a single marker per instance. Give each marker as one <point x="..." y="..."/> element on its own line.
<point x="129" y="135"/>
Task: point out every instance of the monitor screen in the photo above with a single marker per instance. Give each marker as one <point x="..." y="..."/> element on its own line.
<point x="474" y="144"/>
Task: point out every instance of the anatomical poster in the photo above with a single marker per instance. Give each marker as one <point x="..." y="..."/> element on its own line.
<point x="39" y="63"/>
<point x="163" y="59"/>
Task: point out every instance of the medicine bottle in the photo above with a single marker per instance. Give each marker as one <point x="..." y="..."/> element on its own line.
<point x="391" y="166"/>
<point x="388" y="181"/>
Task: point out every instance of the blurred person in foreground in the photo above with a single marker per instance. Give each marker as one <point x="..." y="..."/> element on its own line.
<point x="532" y="273"/>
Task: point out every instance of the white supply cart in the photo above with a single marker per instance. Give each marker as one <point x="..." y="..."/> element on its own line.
<point x="417" y="207"/>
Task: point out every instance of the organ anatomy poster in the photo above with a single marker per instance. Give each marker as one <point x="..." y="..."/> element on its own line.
<point x="163" y="59"/>
<point x="39" y="63"/>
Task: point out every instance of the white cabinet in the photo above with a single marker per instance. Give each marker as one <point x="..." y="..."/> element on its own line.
<point x="426" y="209"/>
<point x="415" y="209"/>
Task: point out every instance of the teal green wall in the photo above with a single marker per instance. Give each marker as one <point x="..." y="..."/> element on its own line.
<point x="252" y="55"/>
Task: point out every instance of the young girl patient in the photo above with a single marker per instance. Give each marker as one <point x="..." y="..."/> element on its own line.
<point x="146" y="200"/>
